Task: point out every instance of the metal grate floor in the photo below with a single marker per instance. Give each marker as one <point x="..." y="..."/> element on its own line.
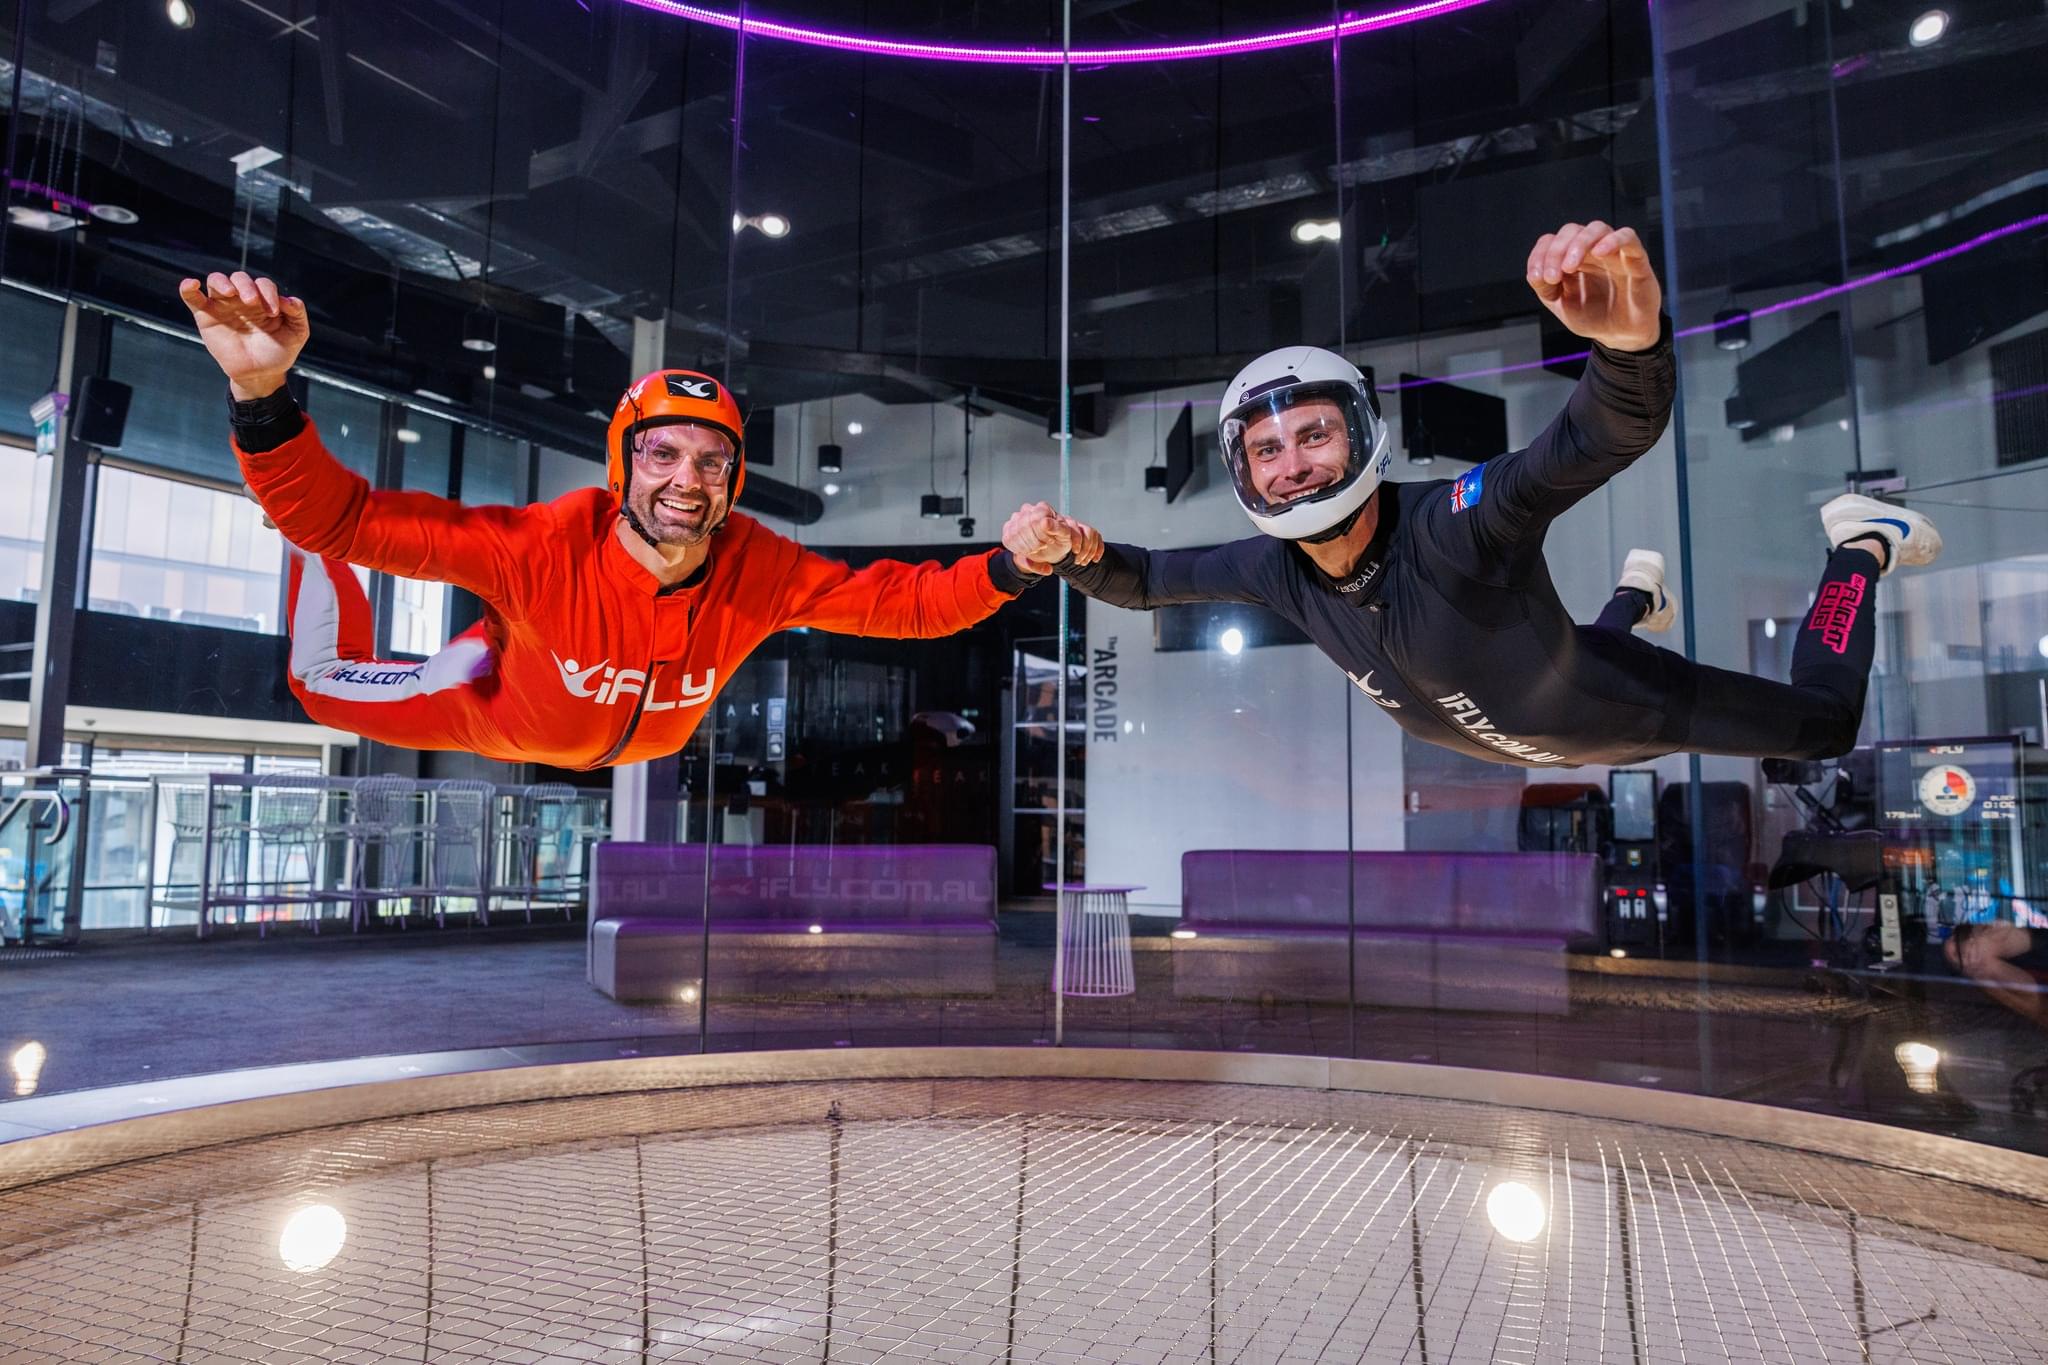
<point x="1014" y="1221"/>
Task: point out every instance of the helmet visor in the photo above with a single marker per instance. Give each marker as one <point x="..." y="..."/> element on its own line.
<point x="1298" y="445"/>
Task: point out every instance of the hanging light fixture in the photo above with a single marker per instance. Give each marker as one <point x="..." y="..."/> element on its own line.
<point x="1731" y="329"/>
<point x="480" y="330"/>
<point x="831" y="459"/>
<point x="931" y="506"/>
<point x="1155" y="473"/>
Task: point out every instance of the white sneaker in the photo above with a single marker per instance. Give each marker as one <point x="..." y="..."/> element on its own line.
<point x="1910" y="536"/>
<point x="1643" y="570"/>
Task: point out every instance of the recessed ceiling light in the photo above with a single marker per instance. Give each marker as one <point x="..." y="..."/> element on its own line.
<point x="854" y="428"/>
<point x="831" y="490"/>
<point x="180" y="13"/>
<point x="1318" y="230"/>
<point x="1232" y="641"/>
<point x="407" y="436"/>
<point x="490" y="371"/>
<point x="114" y="213"/>
<point x="1928" y="28"/>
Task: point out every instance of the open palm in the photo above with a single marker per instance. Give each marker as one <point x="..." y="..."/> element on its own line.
<point x="1597" y="281"/>
<point x="252" y="332"/>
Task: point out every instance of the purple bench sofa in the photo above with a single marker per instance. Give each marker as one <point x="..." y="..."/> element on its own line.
<point x="913" y="919"/>
<point x="1439" y="931"/>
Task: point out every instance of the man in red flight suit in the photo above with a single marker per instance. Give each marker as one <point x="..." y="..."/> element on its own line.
<point x="612" y="615"/>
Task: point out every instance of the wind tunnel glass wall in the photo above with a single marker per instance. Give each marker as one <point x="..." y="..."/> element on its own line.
<point x="1857" y="216"/>
<point x="499" y="214"/>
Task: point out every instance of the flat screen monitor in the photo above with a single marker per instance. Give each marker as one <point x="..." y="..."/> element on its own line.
<point x="1633" y="794"/>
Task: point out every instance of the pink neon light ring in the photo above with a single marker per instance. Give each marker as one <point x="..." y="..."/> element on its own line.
<point x="1052" y="56"/>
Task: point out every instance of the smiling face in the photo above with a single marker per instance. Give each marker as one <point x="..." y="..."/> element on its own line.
<point x="1297" y="451"/>
<point x="681" y="484"/>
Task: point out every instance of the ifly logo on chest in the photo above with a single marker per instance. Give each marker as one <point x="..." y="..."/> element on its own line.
<point x="615" y="683"/>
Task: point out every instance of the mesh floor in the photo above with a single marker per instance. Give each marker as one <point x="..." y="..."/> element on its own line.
<point x="1013" y="1221"/>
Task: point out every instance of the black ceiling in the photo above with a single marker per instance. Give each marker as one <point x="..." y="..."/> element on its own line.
<point x="584" y="152"/>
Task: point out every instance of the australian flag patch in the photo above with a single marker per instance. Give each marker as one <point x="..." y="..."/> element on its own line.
<point x="1467" y="489"/>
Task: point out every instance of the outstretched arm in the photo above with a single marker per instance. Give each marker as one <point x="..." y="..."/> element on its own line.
<point x="1124" y="575"/>
<point x="893" y="600"/>
<point x="1597" y="280"/>
<point x="255" y="334"/>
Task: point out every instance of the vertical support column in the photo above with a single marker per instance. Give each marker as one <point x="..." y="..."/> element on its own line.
<point x="644" y="795"/>
<point x="371" y="756"/>
<point x="66" y="543"/>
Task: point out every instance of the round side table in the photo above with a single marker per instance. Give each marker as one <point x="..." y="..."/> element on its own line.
<point x="1095" y="934"/>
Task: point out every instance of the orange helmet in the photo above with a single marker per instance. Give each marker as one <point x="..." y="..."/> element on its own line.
<point x="662" y="399"/>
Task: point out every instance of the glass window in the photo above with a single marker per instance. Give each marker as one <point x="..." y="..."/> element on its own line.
<point x="21" y="522"/>
<point x="493" y="470"/>
<point x="30" y="331"/>
<point x="349" y="424"/>
<point x="181" y="552"/>
<point x="177" y="416"/>
<point x="561" y="472"/>
<point x="419" y="610"/>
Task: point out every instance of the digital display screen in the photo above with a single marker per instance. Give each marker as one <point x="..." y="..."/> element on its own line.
<point x="1634" y="794"/>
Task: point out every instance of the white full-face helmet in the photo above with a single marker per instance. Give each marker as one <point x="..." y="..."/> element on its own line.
<point x="1280" y="383"/>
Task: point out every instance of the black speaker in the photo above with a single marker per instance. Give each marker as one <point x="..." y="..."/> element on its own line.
<point x="100" y="415"/>
<point x="759" y="434"/>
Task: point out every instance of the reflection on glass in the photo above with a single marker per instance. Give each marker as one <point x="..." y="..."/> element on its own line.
<point x="312" y="1237"/>
<point x="26" y="1062"/>
<point x="1919" y="1061"/>
<point x="1516" y="1211"/>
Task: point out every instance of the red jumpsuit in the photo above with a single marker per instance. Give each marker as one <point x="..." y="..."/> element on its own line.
<point x="582" y="659"/>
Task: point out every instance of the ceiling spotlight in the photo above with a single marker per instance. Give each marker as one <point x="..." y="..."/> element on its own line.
<point x="407" y="436"/>
<point x="1928" y="28"/>
<point x="1770" y="628"/>
<point x="767" y="224"/>
<point x="490" y="371"/>
<point x="831" y="490"/>
<point x="115" y="213"/>
<point x="831" y="459"/>
<point x="1731" y="329"/>
<point x="1232" y="641"/>
<point x="180" y="13"/>
<point x="931" y="507"/>
<point x="1310" y="230"/>
<point x="854" y="428"/>
<point x="480" y="330"/>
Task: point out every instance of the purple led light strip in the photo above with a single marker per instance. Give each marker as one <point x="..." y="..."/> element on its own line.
<point x="1052" y="56"/>
<point x="1981" y="239"/>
